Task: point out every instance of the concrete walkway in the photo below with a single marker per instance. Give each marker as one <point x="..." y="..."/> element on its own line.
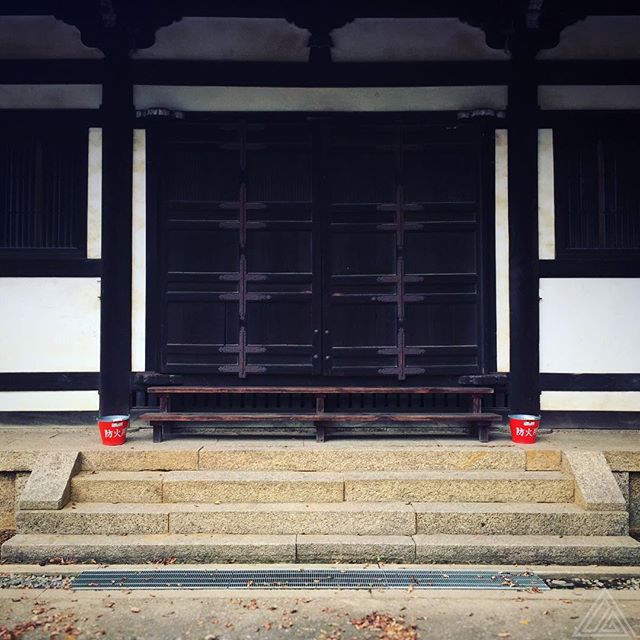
<point x="49" y="437"/>
<point x="306" y="615"/>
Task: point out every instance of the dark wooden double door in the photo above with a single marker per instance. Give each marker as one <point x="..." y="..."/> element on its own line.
<point x="320" y="248"/>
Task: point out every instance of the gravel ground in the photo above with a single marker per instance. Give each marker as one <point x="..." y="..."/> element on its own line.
<point x="34" y="581"/>
<point x="6" y="534"/>
<point x="595" y="583"/>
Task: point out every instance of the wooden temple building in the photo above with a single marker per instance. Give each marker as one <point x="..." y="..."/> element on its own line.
<point x="356" y="193"/>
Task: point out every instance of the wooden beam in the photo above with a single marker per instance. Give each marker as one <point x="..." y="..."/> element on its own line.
<point x="588" y="72"/>
<point x="591" y="267"/>
<point x="41" y="267"/>
<point x="524" y="385"/>
<point x="47" y="381"/>
<point x="359" y="8"/>
<point x="302" y="74"/>
<point x="51" y="71"/>
<point x="115" y="302"/>
<point x="590" y="381"/>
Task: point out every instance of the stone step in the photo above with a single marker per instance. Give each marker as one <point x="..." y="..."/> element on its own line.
<point x="475" y="518"/>
<point x="328" y="456"/>
<point x="344" y="518"/>
<point x="296" y="486"/>
<point x="339" y="458"/>
<point x="425" y="549"/>
<point x="230" y="518"/>
<point x="458" y="486"/>
<point x="135" y="549"/>
<point x="528" y="549"/>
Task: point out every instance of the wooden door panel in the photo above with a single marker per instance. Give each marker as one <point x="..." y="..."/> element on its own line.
<point x="441" y="251"/>
<point x="349" y="251"/>
<point x="445" y="324"/>
<point x="200" y="173"/>
<point x="279" y="251"/>
<point x="238" y="282"/>
<point x="403" y="216"/>
<point x="201" y="248"/>
<point x="441" y="172"/>
<point x="361" y="176"/>
<point x="282" y="175"/>
<point x="201" y="322"/>
<point x="361" y="252"/>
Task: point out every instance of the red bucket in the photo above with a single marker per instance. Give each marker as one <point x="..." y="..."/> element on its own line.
<point x="524" y="428"/>
<point x="113" y="430"/>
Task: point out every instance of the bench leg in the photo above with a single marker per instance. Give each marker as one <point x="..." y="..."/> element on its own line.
<point x="161" y="431"/>
<point x="483" y="432"/>
<point x="320" y="431"/>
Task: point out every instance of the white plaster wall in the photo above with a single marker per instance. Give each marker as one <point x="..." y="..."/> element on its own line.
<point x="590" y="401"/>
<point x="200" y="38"/>
<point x="590" y="325"/>
<point x="598" y="37"/>
<point x="502" y="250"/>
<point x="391" y="40"/>
<point x="94" y="195"/>
<point x="30" y="37"/>
<point x="546" y="196"/>
<point x="189" y="98"/>
<point x="139" y="252"/>
<point x="589" y="97"/>
<point x="50" y="96"/>
<point x="49" y="324"/>
<point x="49" y="401"/>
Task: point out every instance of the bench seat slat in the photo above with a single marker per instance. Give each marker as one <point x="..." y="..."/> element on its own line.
<point x="320" y="417"/>
<point x="322" y="390"/>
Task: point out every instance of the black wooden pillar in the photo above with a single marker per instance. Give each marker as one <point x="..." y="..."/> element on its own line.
<point x="524" y="385"/>
<point x="115" y="305"/>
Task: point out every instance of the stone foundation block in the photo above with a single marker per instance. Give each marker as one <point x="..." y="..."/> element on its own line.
<point x="49" y="485"/>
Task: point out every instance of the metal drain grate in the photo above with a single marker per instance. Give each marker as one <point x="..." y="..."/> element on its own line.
<point x="308" y="579"/>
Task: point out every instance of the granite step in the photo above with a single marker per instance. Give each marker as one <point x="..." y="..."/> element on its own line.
<point x="471" y="549"/>
<point x="295" y="486"/>
<point x="459" y="486"/>
<point x="344" y="518"/>
<point x="230" y="518"/>
<point x="473" y="518"/>
<point x="308" y="549"/>
<point x="329" y="456"/>
<point x="358" y="458"/>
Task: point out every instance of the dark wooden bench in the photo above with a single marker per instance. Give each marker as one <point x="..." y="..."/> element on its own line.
<point x="163" y="420"/>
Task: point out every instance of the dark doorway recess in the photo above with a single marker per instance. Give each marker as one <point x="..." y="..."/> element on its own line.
<point x="315" y="248"/>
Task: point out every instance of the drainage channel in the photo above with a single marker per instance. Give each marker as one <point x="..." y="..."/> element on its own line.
<point x="308" y="579"/>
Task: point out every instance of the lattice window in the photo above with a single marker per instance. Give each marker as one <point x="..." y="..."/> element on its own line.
<point x="43" y="191"/>
<point x="597" y="190"/>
